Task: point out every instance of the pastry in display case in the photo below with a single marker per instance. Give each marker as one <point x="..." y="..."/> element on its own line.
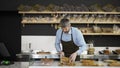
<point x="40" y="52"/>
<point x="91" y="51"/>
<point x="105" y="52"/>
<point x="46" y="61"/>
<point x="114" y="64"/>
<point x="110" y="61"/>
<point x="89" y="62"/>
<point x="117" y="51"/>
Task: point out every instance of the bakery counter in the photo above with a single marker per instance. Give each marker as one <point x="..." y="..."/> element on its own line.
<point x="38" y="56"/>
<point x="56" y="56"/>
<point x="78" y="64"/>
<point x="112" y="56"/>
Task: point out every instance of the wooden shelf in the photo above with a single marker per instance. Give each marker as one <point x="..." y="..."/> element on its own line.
<point x="76" y="22"/>
<point x="65" y="12"/>
<point x="106" y="22"/>
<point x="71" y="23"/>
<point x="101" y="34"/>
<point x="39" y="23"/>
<point x="68" y="12"/>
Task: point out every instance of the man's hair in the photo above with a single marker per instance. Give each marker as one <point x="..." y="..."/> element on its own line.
<point x="64" y="22"/>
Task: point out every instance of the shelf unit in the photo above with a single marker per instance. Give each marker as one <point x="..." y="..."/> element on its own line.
<point x="101" y="34"/>
<point x="71" y="23"/>
<point x="84" y="56"/>
<point x="70" y="12"/>
<point x="56" y="22"/>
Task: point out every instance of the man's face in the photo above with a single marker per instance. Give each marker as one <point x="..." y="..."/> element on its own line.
<point x="65" y="29"/>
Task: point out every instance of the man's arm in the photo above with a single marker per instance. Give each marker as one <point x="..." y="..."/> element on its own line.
<point x="57" y="41"/>
<point x="81" y="42"/>
<point x="57" y="44"/>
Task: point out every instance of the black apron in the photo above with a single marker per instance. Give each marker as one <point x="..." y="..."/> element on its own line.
<point x="69" y="47"/>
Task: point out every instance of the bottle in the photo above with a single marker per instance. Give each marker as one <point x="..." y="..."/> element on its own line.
<point x="30" y="50"/>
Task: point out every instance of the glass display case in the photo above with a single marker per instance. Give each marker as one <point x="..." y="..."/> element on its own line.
<point x="53" y="60"/>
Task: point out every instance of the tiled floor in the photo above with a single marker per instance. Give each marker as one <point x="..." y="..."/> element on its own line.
<point x="17" y="65"/>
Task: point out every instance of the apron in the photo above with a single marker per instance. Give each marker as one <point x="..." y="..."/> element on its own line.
<point x="69" y="47"/>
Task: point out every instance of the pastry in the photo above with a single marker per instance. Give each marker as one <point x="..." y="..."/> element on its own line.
<point x="110" y="61"/>
<point x="91" y="51"/>
<point x="106" y="52"/>
<point x="88" y="63"/>
<point x="46" y="61"/>
<point x="43" y="52"/>
<point x="114" y="64"/>
<point x="117" y="51"/>
<point x="64" y="61"/>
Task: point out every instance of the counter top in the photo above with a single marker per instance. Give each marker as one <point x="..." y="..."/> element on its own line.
<point x="69" y="67"/>
<point x="55" y="64"/>
<point x="55" y="56"/>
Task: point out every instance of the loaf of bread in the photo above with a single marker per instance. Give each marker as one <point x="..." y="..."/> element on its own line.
<point x="64" y="61"/>
<point x="114" y="64"/>
<point x="117" y="51"/>
<point x="106" y="52"/>
<point x="40" y="52"/>
<point x="91" y="50"/>
<point x="88" y="63"/>
<point x="111" y="61"/>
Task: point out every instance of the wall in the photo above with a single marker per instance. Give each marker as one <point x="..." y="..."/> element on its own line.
<point x="10" y="31"/>
<point x="47" y="30"/>
<point x="13" y="4"/>
<point x="47" y="43"/>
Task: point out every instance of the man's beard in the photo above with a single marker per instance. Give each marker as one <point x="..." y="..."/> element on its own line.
<point x="66" y="31"/>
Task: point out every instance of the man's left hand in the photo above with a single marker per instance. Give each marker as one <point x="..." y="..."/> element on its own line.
<point x="73" y="57"/>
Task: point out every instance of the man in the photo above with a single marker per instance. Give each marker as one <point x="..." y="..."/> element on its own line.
<point x="72" y="40"/>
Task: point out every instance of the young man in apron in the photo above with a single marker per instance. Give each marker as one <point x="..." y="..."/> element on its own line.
<point x="72" y="40"/>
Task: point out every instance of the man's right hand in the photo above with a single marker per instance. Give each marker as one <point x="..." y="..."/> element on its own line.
<point x="61" y="54"/>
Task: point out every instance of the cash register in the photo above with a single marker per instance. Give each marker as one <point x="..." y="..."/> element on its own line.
<point x="4" y="54"/>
